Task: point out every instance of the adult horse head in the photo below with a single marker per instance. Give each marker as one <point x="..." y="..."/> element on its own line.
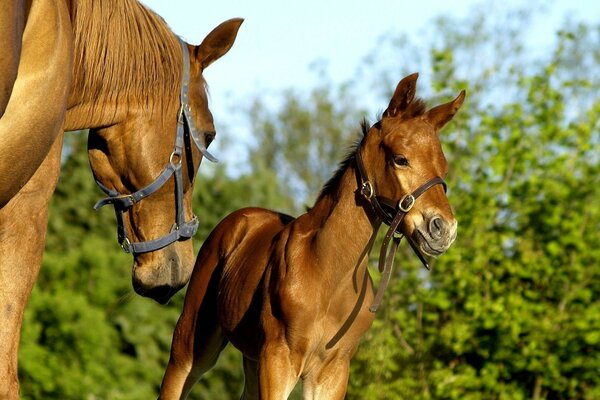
<point x="147" y="101"/>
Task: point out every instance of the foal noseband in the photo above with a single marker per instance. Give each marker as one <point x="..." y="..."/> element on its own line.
<point x="391" y="213"/>
<point x="181" y="229"/>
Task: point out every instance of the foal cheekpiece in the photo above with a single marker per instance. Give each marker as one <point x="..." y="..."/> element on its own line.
<point x="122" y="202"/>
<point x="391" y="213"/>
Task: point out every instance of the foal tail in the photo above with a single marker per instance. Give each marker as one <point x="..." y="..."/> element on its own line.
<point x="197" y="339"/>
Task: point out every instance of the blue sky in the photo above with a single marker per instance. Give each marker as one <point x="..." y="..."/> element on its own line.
<point x="280" y="39"/>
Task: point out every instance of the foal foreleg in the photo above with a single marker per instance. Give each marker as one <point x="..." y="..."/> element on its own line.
<point x="250" y="380"/>
<point x="328" y="382"/>
<point x="276" y="373"/>
<point x="197" y="339"/>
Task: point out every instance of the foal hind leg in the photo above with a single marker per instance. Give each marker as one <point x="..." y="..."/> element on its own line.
<point x="22" y="232"/>
<point x="198" y="339"/>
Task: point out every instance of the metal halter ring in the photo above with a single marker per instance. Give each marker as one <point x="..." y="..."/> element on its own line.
<point x="173" y="155"/>
<point x="411" y="202"/>
<point x="367" y="189"/>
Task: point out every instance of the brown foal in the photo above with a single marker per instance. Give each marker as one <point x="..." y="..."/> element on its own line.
<point x="293" y="295"/>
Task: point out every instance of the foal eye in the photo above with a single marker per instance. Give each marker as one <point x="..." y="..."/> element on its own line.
<point x="400" y="160"/>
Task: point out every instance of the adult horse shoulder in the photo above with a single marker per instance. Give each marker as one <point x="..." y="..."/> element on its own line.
<point x="35" y="76"/>
<point x="127" y="85"/>
<point x="295" y="295"/>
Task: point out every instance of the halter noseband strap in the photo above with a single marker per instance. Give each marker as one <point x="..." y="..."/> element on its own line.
<point x="392" y="214"/>
<point x="181" y="229"/>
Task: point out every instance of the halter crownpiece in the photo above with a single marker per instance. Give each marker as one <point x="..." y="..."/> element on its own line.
<point x="181" y="229"/>
<point x="391" y="213"/>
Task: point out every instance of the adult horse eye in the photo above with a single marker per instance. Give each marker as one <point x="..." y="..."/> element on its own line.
<point x="400" y="160"/>
<point x="209" y="137"/>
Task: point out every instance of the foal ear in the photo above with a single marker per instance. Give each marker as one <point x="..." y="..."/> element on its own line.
<point x="403" y="96"/>
<point x="218" y="42"/>
<point x="442" y="114"/>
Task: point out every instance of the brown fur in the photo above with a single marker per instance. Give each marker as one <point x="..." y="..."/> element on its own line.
<point x="293" y="294"/>
<point x="115" y="67"/>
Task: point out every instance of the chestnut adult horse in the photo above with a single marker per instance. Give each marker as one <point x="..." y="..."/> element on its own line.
<point x="115" y="67"/>
<point x="295" y="295"/>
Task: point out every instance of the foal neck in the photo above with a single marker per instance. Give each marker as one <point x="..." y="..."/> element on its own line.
<point x="344" y="227"/>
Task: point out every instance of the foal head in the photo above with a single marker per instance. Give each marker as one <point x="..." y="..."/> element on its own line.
<point x="402" y="152"/>
<point x="132" y="154"/>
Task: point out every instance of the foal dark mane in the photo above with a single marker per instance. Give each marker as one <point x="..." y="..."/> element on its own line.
<point x="332" y="184"/>
<point x="416" y="108"/>
<point x="124" y="49"/>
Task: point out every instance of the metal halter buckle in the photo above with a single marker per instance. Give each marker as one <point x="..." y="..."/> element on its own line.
<point x="411" y="202"/>
<point x="367" y="189"/>
<point x="126" y="245"/>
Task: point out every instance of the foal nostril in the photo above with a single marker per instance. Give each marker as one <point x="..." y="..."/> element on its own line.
<point x="437" y="227"/>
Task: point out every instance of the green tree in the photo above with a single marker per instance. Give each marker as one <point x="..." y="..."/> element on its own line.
<point x="511" y="311"/>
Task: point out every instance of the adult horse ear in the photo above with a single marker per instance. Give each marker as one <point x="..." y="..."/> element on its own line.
<point x="218" y="42"/>
<point x="442" y="114"/>
<point x="403" y="96"/>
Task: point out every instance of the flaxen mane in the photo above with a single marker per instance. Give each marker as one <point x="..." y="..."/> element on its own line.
<point x="124" y="46"/>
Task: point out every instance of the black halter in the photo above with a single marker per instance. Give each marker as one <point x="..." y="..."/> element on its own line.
<point x="122" y="202"/>
<point x="391" y="213"/>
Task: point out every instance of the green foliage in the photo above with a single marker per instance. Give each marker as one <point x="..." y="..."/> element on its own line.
<point x="511" y="311"/>
<point x="303" y="140"/>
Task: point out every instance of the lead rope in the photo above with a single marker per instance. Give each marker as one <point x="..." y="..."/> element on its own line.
<point x="386" y="260"/>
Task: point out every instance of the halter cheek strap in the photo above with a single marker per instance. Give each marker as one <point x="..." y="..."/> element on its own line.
<point x="181" y="229"/>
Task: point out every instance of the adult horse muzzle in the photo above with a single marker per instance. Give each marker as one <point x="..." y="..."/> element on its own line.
<point x="181" y="229"/>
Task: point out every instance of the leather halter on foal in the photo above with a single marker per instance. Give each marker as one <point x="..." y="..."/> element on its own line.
<point x="122" y="202"/>
<point x="391" y="213"/>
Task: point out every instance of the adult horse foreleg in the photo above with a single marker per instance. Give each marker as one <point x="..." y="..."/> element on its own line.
<point x="12" y="19"/>
<point x="34" y="112"/>
<point x="198" y="339"/>
<point x="22" y="233"/>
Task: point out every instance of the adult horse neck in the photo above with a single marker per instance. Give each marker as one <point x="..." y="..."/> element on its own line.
<point x="295" y="295"/>
<point x="116" y="68"/>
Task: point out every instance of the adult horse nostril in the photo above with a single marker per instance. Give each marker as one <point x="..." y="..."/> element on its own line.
<point x="437" y="226"/>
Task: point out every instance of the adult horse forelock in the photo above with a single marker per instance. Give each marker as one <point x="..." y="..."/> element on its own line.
<point x="116" y="68"/>
<point x="295" y="295"/>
